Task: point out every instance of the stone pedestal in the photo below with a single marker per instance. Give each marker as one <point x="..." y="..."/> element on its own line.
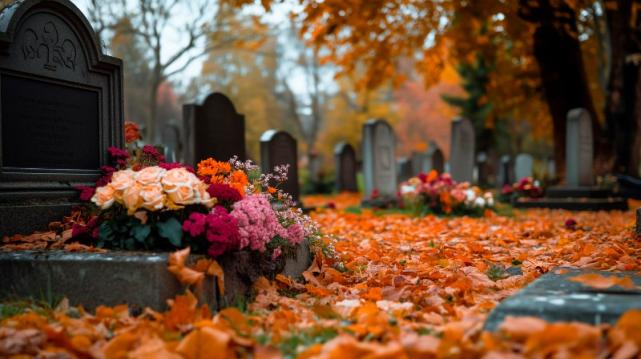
<point x="555" y="298"/>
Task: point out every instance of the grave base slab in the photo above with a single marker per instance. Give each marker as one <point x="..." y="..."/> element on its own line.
<point x="574" y="204"/>
<point x="554" y="298"/>
<point x="138" y="279"/>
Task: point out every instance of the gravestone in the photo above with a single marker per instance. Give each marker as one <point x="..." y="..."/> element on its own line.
<point x="506" y="171"/>
<point x="419" y="163"/>
<point x="171" y="142"/>
<point x="315" y="167"/>
<point x="278" y="148"/>
<point x="435" y="158"/>
<point x="482" y="169"/>
<point x="404" y="169"/>
<point x="523" y="166"/>
<point x="345" y="157"/>
<point x="638" y="225"/>
<point x="462" y="150"/>
<point x="551" y="169"/>
<point x="379" y="167"/>
<point x="555" y="298"/>
<point x="213" y="129"/>
<point x="61" y="107"/>
<point x="579" y="149"/>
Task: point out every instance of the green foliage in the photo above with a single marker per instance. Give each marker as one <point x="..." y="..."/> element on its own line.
<point x="496" y="272"/>
<point x="296" y="343"/>
<point x="171" y="230"/>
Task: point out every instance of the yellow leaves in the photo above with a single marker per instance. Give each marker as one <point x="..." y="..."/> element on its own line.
<point x="598" y="281"/>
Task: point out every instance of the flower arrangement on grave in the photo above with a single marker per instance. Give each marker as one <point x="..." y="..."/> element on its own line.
<point x="143" y="202"/>
<point x="526" y="187"/>
<point x="439" y="194"/>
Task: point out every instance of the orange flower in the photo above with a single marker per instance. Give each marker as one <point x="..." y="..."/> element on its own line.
<point x="446" y="201"/>
<point x="238" y="180"/>
<point x="212" y="168"/>
<point x="132" y="132"/>
<point x="271" y="190"/>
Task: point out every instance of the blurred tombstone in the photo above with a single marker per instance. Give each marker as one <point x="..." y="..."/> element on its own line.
<point x="404" y="169"/>
<point x="379" y="167"/>
<point x="523" y="166"/>
<point x="482" y="169"/>
<point x="171" y="142"/>
<point x="551" y="168"/>
<point x="435" y="158"/>
<point x="638" y="226"/>
<point x="462" y="150"/>
<point x="278" y="148"/>
<point x="213" y="129"/>
<point x="346" y="167"/>
<point x="315" y="167"/>
<point x="419" y="163"/>
<point x="579" y="149"/>
<point x="506" y="171"/>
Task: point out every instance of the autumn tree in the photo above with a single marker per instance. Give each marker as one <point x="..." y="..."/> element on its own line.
<point x="198" y="26"/>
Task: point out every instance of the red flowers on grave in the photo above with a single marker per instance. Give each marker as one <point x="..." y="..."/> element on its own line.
<point x="219" y="228"/>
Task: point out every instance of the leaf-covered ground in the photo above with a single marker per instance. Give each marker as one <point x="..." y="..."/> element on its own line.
<point x="387" y="285"/>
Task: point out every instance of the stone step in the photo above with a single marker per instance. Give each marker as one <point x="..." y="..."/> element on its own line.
<point x="554" y="298"/>
<point x="139" y="279"/>
<point x="574" y="204"/>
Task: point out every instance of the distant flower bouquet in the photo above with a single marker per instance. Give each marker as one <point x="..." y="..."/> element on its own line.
<point x="143" y="202"/>
<point x="526" y="187"/>
<point x="440" y="194"/>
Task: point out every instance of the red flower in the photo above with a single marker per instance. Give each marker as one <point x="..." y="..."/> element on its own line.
<point x="507" y="189"/>
<point x="132" y="132"/>
<point x="570" y="224"/>
<point x="86" y="192"/>
<point x="224" y="193"/>
<point x="91" y="228"/>
<point x="195" y="224"/>
<point x="222" y="232"/>
<point x="375" y="193"/>
<point x="152" y="153"/>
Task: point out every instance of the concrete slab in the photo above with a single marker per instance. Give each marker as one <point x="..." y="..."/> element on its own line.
<point x="554" y="298"/>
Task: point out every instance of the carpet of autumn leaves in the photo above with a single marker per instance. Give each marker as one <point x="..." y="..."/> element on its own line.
<point x="385" y="285"/>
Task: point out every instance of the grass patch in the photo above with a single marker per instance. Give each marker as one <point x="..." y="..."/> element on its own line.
<point x="20" y="306"/>
<point x="296" y="343"/>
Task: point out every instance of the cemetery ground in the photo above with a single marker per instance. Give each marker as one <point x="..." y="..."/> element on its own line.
<point x="384" y="284"/>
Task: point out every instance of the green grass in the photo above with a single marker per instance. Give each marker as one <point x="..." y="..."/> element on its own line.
<point x="293" y="345"/>
<point x="12" y="308"/>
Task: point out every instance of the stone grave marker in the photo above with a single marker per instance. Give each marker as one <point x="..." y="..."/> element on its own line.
<point x="379" y="167"/>
<point x="638" y="226"/>
<point x="419" y="163"/>
<point x="482" y="169"/>
<point x="213" y="129"/>
<point x="404" y="169"/>
<point x="523" y="166"/>
<point x="506" y="171"/>
<point x="279" y="148"/>
<point x="551" y="168"/>
<point x="315" y="167"/>
<point x="462" y="150"/>
<point x="346" y="167"/>
<point x="61" y="107"/>
<point x="171" y="142"/>
<point x="554" y="297"/>
<point x="579" y="149"/>
<point x="435" y="158"/>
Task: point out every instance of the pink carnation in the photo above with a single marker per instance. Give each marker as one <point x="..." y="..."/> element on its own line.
<point x="295" y="233"/>
<point x="257" y="222"/>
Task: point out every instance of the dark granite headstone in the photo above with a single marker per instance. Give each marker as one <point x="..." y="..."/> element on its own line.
<point x="482" y="169"/>
<point x="345" y="157"/>
<point x="61" y="107"/>
<point x="462" y="149"/>
<point x="213" y="129"/>
<point x="404" y="169"/>
<point x="278" y="148"/>
<point x="435" y="158"/>
<point x="506" y="171"/>
<point x="555" y="298"/>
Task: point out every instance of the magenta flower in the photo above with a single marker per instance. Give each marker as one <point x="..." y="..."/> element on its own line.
<point x="257" y="222"/>
<point x="222" y="232"/>
<point x="224" y="193"/>
<point x="195" y="224"/>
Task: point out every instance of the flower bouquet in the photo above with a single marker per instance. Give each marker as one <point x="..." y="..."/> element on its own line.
<point x="526" y="187"/>
<point x="440" y="194"/>
<point x="145" y="203"/>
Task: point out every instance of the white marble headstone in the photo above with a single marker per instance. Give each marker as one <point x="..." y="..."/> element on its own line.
<point x="379" y="160"/>
<point x="579" y="149"/>
<point x="523" y="166"/>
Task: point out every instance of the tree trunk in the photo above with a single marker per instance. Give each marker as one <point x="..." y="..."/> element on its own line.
<point x="153" y="113"/>
<point x="558" y="55"/>
<point x="622" y="110"/>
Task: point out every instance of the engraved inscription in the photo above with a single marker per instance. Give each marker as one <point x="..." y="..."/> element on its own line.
<point x="46" y="125"/>
<point x="47" y="45"/>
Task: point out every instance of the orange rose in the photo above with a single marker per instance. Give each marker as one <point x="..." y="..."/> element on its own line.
<point x="121" y="180"/>
<point x="104" y="196"/>
<point x="179" y="184"/>
<point x="152" y="197"/>
<point x="131" y="198"/>
<point x="150" y="175"/>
